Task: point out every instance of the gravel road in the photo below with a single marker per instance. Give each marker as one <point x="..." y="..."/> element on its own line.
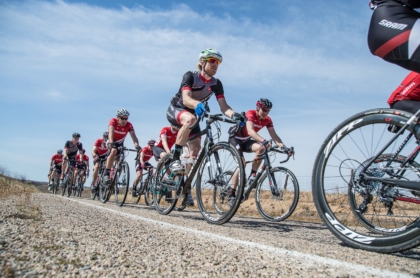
<point x="52" y="236"/>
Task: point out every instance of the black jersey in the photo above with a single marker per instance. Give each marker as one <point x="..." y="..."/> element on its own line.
<point x="411" y="3"/>
<point x="201" y="88"/>
<point x="72" y="148"/>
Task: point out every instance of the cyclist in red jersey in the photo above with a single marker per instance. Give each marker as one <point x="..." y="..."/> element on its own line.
<point x="82" y="164"/>
<point x="407" y="96"/>
<point x="248" y="139"/>
<point x="55" y="167"/>
<point x="70" y="151"/>
<point x="118" y="129"/>
<point x="167" y="138"/>
<point x="196" y="87"/>
<point x="142" y="159"/>
<point x="99" y="152"/>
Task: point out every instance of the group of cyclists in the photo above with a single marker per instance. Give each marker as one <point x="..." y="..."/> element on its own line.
<point x="185" y="106"/>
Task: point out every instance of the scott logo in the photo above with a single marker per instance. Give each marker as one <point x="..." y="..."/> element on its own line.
<point x="339" y="134"/>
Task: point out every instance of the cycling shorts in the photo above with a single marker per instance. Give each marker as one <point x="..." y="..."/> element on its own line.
<point x="393" y="34"/>
<point x="81" y="167"/>
<point x="410" y="106"/>
<point x="157" y="151"/>
<point x="118" y="146"/>
<point x="99" y="158"/>
<point x="173" y="115"/>
<point x="243" y="145"/>
<point x="138" y="167"/>
<point x="56" y="167"/>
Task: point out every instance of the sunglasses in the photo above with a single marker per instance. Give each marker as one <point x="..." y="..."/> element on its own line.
<point x="213" y="60"/>
<point x="265" y="110"/>
<point x="124" y="119"/>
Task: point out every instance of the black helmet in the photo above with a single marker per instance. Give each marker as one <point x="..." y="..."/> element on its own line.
<point x="264" y="103"/>
<point x="60" y="151"/>
<point x="151" y="142"/>
<point x="76" y="135"/>
<point x="105" y="134"/>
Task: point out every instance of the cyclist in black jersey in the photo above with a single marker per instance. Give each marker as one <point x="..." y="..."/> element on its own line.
<point x="196" y="87"/>
<point x="70" y="152"/>
<point x="394" y="32"/>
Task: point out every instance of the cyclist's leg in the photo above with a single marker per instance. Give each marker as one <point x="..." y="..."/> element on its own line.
<point x="238" y="145"/>
<point x="392" y="35"/>
<point x="109" y="164"/>
<point x="411" y="106"/>
<point x="96" y="165"/>
<point x="139" y="174"/>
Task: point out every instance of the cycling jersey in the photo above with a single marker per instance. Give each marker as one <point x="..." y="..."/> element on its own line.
<point x="72" y="148"/>
<point x="258" y="124"/>
<point x="201" y="88"/>
<point x="57" y="158"/>
<point x="409" y="89"/>
<point x="147" y="154"/>
<point x="394" y="32"/>
<point x="101" y="148"/>
<point x="120" y="132"/>
<point x="170" y="137"/>
<point x="84" y="162"/>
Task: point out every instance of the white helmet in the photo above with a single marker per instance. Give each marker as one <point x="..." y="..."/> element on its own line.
<point x="211" y="53"/>
<point x="123" y="112"/>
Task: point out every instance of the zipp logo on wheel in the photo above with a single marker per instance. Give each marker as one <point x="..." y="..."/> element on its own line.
<point x="339" y="134"/>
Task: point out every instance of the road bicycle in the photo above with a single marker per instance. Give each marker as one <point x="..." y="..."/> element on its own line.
<point x="145" y="187"/>
<point x="56" y="179"/>
<point x="94" y="191"/>
<point x="276" y="188"/>
<point x="213" y="161"/>
<point x="365" y="181"/>
<point x="120" y="179"/>
<point x="68" y="180"/>
<point x="78" y="185"/>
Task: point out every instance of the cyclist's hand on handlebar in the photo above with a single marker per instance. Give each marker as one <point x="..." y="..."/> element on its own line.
<point x="138" y="148"/>
<point x="287" y="150"/>
<point x="265" y="143"/>
<point x="241" y="118"/>
<point x="199" y="109"/>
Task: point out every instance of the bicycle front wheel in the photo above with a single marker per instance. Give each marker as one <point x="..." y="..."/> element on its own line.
<point x="163" y="196"/>
<point x="148" y="190"/>
<point x="277" y="207"/>
<point x="213" y="182"/>
<point x="368" y="214"/>
<point x="122" y="182"/>
<point x="55" y="184"/>
<point x="69" y="184"/>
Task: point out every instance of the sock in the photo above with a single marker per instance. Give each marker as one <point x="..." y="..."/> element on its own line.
<point x="177" y="151"/>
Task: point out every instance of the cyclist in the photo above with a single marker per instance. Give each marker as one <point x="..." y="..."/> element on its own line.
<point x="55" y="167"/>
<point x="393" y="32"/>
<point x="70" y="151"/>
<point x="407" y="96"/>
<point x="142" y="159"/>
<point x="82" y="163"/>
<point x="99" y="152"/>
<point x="196" y="87"/>
<point x="167" y="138"/>
<point x="248" y="139"/>
<point x="117" y="131"/>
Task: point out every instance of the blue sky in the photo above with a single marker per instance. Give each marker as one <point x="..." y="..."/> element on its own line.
<point x="67" y="66"/>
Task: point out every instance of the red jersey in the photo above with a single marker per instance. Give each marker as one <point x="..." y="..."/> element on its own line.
<point x="85" y="159"/>
<point x="147" y="154"/>
<point x="120" y="131"/>
<point x="258" y="124"/>
<point x="100" y="145"/>
<point x="409" y="89"/>
<point x="58" y="159"/>
<point x="170" y="137"/>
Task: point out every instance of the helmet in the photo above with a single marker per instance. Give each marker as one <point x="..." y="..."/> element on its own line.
<point x="123" y="112"/>
<point x="105" y="134"/>
<point x="76" y="135"/>
<point x="83" y="150"/>
<point x="264" y="103"/>
<point x="60" y="151"/>
<point x="151" y="142"/>
<point x="211" y="53"/>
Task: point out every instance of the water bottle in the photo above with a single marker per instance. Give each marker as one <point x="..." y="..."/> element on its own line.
<point x="251" y="179"/>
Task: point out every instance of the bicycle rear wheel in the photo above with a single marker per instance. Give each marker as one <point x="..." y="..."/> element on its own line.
<point x="55" y="183"/>
<point x="213" y="181"/>
<point x="148" y="190"/>
<point x="93" y="192"/>
<point x="122" y="182"/>
<point x="69" y="184"/>
<point x="163" y="197"/>
<point x="277" y="208"/>
<point x="354" y="209"/>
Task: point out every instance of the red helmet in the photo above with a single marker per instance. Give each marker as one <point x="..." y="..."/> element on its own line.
<point x="264" y="103"/>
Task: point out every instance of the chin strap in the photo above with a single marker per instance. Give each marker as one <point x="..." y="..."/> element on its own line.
<point x="204" y="66"/>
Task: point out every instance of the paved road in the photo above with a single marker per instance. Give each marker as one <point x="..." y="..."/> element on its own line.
<point x="102" y="239"/>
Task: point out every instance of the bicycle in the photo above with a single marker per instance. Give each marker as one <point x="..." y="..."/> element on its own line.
<point x="68" y="180"/>
<point x="215" y="158"/>
<point x="145" y="188"/>
<point x="56" y="180"/>
<point x="277" y="188"/>
<point x="78" y="187"/>
<point x="94" y="191"/>
<point x="120" y="180"/>
<point x="365" y="181"/>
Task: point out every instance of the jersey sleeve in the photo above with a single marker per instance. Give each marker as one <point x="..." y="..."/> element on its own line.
<point x="251" y="115"/>
<point x="113" y="122"/>
<point x="97" y="143"/>
<point x="162" y="132"/>
<point x="269" y="123"/>
<point x="187" y="81"/>
<point x="218" y="89"/>
<point x="80" y="146"/>
<point x="67" y="145"/>
<point x="130" y="128"/>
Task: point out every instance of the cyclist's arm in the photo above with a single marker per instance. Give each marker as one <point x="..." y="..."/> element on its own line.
<point x="275" y="137"/>
<point x="188" y="100"/>
<point x="141" y="158"/>
<point x="134" y="137"/>
<point x="94" y="152"/>
<point x="225" y="108"/>
<point x="254" y="135"/>
<point x="110" y="134"/>
<point x="165" y="143"/>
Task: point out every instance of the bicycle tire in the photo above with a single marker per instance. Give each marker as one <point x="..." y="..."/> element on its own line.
<point x="211" y="191"/>
<point x="163" y="197"/>
<point x="104" y="191"/>
<point x="277" y="208"/>
<point x="148" y="191"/>
<point x="135" y="200"/>
<point x="69" y="183"/>
<point x="121" y="184"/>
<point x="93" y="192"/>
<point x="55" y="184"/>
<point x="331" y="178"/>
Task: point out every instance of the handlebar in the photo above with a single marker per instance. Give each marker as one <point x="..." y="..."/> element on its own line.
<point x="275" y="149"/>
